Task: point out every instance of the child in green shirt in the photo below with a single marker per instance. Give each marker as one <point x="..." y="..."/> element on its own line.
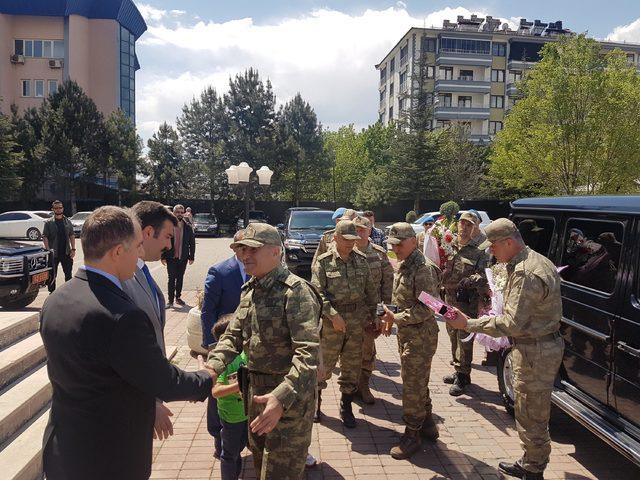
<point x="234" y="432"/>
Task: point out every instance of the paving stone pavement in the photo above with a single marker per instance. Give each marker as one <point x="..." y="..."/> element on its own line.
<point x="475" y="431"/>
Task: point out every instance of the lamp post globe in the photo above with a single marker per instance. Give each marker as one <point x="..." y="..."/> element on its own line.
<point x="264" y="175"/>
<point x="244" y="172"/>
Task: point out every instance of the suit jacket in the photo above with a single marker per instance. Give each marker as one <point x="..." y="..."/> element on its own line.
<point x="188" y="245"/>
<point x="138" y="290"/>
<point x="222" y="289"/>
<point x="106" y="369"/>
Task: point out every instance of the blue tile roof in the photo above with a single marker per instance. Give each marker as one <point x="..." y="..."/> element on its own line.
<point x="123" y="11"/>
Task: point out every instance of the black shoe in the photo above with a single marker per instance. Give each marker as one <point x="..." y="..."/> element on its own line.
<point x="168" y="305"/>
<point x="449" y="379"/>
<point x="516" y="470"/>
<point x="317" y="417"/>
<point x="346" y="412"/>
<point x="458" y="387"/>
<point x="180" y="302"/>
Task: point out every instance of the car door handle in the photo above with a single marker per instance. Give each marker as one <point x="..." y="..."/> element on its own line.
<point x="623" y="346"/>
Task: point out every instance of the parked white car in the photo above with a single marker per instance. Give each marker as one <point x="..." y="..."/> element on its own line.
<point x="78" y="221"/>
<point x="417" y="225"/>
<point x="23" y="224"/>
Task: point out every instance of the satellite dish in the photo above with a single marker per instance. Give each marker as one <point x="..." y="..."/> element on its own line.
<point x="505" y="27"/>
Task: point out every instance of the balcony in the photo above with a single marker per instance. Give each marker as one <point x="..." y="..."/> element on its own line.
<point x="512" y="90"/>
<point x="479" y="138"/>
<point x="463" y="86"/>
<point x="462" y="57"/>
<point x="461" y="113"/>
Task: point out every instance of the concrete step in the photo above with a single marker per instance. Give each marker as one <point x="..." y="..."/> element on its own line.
<point x="21" y="459"/>
<point x="22" y="400"/>
<point x="20" y="357"/>
<point x="17" y="325"/>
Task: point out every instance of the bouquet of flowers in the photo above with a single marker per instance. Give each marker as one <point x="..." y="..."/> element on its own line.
<point x="445" y="231"/>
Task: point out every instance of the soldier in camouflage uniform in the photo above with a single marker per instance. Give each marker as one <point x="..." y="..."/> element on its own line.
<point x="465" y="287"/>
<point x="531" y="318"/>
<point x="327" y="237"/>
<point x="426" y="225"/>
<point x="276" y="324"/>
<point x="349" y="294"/>
<point x="382" y="274"/>
<point x="417" y="336"/>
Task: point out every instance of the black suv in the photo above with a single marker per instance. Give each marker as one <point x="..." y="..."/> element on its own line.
<point x="24" y="269"/>
<point x="301" y="232"/>
<point x="596" y="241"/>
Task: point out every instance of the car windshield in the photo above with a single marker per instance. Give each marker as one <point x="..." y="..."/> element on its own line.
<point x="425" y="216"/>
<point x="81" y="216"/>
<point x="204" y="217"/>
<point x="44" y="214"/>
<point x="311" y="220"/>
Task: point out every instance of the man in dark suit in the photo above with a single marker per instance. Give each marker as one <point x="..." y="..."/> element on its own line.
<point x="182" y="251"/>
<point x="157" y="223"/>
<point x="222" y="289"/>
<point x="104" y="362"/>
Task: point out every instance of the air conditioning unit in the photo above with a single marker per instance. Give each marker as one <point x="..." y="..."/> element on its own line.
<point x="55" y="63"/>
<point x="17" y="59"/>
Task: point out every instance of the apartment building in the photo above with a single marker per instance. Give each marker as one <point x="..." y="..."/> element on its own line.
<point x="45" y="42"/>
<point x="472" y="66"/>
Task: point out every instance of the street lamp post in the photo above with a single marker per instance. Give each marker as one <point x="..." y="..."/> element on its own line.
<point x="241" y="175"/>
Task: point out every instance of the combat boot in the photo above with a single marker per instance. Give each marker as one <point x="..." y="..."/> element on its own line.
<point x="346" y="413"/>
<point x="429" y="430"/>
<point x="449" y="379"/>
<point x="409" y="444"/>
<point x="317" y="417"/>
<point x="458" y="387"/>
<point x="516" y="470"/>
<point x="363" y="390"/>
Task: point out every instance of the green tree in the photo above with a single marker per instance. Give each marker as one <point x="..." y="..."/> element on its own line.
<point x="302" y="163"/>
<point x="124" y="150"/>
<point x="72" y="137"/>
<point x="164" y="164"/>
<point x="32" y="169"/>
<point x="351" y="162"/>
<point x="202" y="128"/>
<point x="10" y="159"/>
<point x="575" y="129"/>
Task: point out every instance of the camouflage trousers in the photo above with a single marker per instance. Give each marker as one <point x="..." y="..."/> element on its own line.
<point x="416" y="344"/>
<point x="535" y="367"/>
<point x="461" y="352"/>
<point x="345" y="346"/>
<point x="368" y="352"/>
<point x="282" y="452"/>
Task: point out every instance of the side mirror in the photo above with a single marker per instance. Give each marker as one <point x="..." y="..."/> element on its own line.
<point x="280" y="226"/>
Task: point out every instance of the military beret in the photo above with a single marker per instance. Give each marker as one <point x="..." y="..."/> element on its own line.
<point x="338" y="213"/>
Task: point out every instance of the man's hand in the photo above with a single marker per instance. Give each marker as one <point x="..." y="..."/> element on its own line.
<point x="164" y="262"/>
<point x="190" y="262"/>
<point x="338" y="323"/>
<point x="72" y="254"/>
<point x="460" y="322"/>
<point x="270" y="416"/>
<point x="162" y="428"/>
<point x="388" y="319"/>
<point x="207" y="368"/>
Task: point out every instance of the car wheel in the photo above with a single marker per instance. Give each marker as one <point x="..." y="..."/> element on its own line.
<point x="506" y="379"/>
<point x="33" y="234"/>
<point x="21" y="301"/>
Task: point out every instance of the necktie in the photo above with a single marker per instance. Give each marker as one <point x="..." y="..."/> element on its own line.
<point x="151" y="283"/>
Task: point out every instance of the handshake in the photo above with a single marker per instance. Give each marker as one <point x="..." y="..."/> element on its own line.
<point x="386" y="314"/>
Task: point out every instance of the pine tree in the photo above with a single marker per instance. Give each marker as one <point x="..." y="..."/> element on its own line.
<point x="164" y="161"/>
<point x="10" y="159"/>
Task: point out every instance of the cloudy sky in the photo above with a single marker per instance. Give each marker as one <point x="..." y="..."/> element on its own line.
<point x="326" y="50"/>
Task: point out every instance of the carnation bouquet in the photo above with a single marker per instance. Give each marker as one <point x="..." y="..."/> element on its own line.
<point x="445" y="231"/>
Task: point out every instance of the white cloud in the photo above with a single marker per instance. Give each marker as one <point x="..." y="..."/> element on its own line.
<point x="177" y="13"/>
<point x="626" y="33"/>
<point x="150" y="13"/>
<point x="326" y="55"/>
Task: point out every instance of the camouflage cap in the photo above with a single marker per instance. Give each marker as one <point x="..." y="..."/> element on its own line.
<point x="400" y="231"/>
<point x="259" y="234"/>
<point x="349" y="214"/>
<point x="470" y="217"/>
<point x="362" y="222"/>
<point x="498" y="230"/>
<point x="347" y="230"/>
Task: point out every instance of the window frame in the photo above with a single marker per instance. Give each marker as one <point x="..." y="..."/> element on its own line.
<point x="35" y="88"/>
<point x="494" y="124"/>
<point x="499" y="73"/>
<point x="523" y="215"/>
<point x="499" y="99"/>
<point x="464" y="99"/>
<point x="443" y="97"/>
<point x="24" y="82"/>
<point x="49" y="86"/>
<point x="500" y="47"/>
<point x="448" y="73"/>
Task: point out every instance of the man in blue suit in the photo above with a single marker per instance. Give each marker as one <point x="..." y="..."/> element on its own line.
<point x="221" y="296"/>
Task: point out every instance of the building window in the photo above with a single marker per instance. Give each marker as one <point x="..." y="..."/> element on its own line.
<point x="127" y="73"/>
<point x="446" y="73"/>
<point x="392" y="65"/>
<point x="630" y="58"/>
<point x="499" y="50"/>
<point x="381" y="118"/>
<point x="383" y="75"/>
<point x="39" y="48"/>
<point x="382" y="95"/>
<point x="403" y="82"/>
<point x="431" y="71"/>
<point x="459" y="45"/>
<point x="390" y="113"/>
<point x="445" y="100"/>
<point x="466" y="75"/>
<point x="497" y="76"/>
<point x="404" y="54"/>
<point x="428" y="44"/>
<point x="401" y="104"/>
<point x="53" y="86"/>
<point x="443" y="124"/>
<point x="26" y="88"/>
<point x="39" y="88"/>
<point x="391" y="90"/>
<point x="515" y="76"/>
<point x="494" y="127"/>
<point x="497" y="101"/>
<point x="464" y="102"/>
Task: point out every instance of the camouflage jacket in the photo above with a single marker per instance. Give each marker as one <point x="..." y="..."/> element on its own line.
<point x="468" y="264"/>
<point x="532" y="302"/>
<point x="381" y="271"/>
<point x="323" y="245"/>
<point x="276" y="324"/>
<point x="415" y="275"/>
<point x="343" y="283"/>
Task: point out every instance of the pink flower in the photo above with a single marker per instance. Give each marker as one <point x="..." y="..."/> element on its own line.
<point x="448" y="238"/>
